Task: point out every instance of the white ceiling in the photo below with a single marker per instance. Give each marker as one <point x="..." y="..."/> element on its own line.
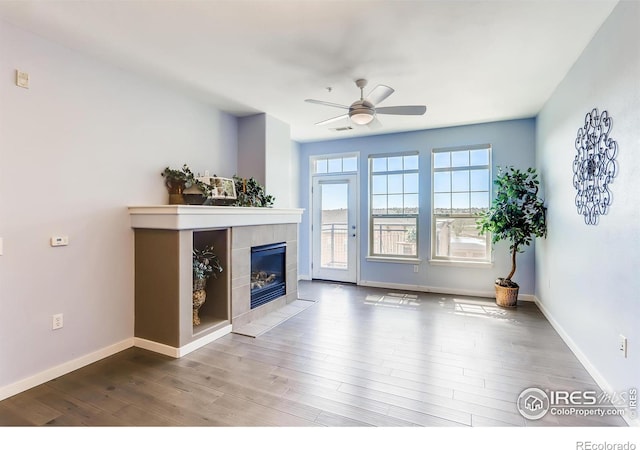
<point x="468" y="61"/>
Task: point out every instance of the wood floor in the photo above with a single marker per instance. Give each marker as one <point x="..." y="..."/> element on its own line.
<point x="358" y="357"/>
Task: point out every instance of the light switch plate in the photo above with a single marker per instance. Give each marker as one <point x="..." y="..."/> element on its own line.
<point x="59" y="241"/>
<point x="22" y="79"/>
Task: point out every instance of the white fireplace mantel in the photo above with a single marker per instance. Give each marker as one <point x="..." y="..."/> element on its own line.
<point x="188" y="217"/>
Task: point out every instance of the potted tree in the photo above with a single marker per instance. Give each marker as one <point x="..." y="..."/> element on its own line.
<point x="518" y="215"/>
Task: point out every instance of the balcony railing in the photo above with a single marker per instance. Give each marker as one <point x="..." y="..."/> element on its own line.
<point x="394" y="239"/>
<point x="388" y="238"/>
<point x="334" y="244"/>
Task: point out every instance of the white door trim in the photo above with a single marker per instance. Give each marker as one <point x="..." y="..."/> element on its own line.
<point x="352" y="180"/>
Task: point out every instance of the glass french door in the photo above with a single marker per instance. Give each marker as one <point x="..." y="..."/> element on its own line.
<point x="334" y="232"/>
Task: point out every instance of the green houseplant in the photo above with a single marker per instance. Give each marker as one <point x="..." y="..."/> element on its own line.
<point x="205" y="264"/>
<point x="178" y="181"/>
<point x="251" y="193"/>
<point x="517" y="214"/>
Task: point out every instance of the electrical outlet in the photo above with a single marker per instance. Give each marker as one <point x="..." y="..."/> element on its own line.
<point x="622" y="345"/>
<point x="57" y="322"/>
<point x="416" y="268"/>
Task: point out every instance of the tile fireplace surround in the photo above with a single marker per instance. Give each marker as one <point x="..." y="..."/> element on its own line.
<point x="238" y="229"/>
<point x="242" y="239"/>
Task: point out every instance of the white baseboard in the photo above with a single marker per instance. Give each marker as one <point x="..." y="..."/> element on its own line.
<point x="156" y="347"/>
<point x="62" y="369"/>
<point x="593" y="371"/>
<point x="175" y="352"/>
<point x="440" y="290"/>
<point x="78" y="363"/>
<point x="304" y="277"/>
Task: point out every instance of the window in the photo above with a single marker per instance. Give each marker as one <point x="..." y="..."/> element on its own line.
<point x="393" y="206"/>
<point x="461" y="189"/>
<point x="335" y="164"/>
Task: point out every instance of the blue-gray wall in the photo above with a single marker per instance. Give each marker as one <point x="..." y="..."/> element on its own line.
<point x="588" y="279"/>
<point x="513" y="143"/>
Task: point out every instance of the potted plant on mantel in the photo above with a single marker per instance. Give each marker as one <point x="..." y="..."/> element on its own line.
<point x="185" y="188"/>
<point x="518" y="215"/>
<point x="205" y="264"/>
<point x="251" y="193"/>
<point x="179" y="181"/>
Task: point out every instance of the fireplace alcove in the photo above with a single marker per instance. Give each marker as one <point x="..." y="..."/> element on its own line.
<point x="164" y="238"/>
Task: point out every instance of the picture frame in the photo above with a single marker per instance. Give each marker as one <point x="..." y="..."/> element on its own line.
<point x="223" y="189"/>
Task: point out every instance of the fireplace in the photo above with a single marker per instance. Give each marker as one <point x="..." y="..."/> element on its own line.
<point x="268" y="279"/>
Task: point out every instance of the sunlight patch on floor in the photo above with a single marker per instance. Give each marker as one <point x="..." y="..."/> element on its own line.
<point x="393" y="300"/>
<point x="477" y="308"/>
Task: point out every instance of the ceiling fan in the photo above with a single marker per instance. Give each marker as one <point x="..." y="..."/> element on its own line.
<point x="364" y="111"/>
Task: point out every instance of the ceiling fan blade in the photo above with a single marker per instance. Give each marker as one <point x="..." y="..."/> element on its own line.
<point x="379" y="93"/>
<point x="375" y="124"/>
<point x="320" y="102"/>
<point x="414" y="110"/>
<point x="333" y="119"/>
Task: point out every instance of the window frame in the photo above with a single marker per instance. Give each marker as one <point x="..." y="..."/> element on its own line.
<point x="315" y="159"/>
<point x="371" y="216"/>
<point x="458" y="260"/>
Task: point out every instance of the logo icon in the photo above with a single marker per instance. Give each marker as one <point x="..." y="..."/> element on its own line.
<point x="533" y="403"/>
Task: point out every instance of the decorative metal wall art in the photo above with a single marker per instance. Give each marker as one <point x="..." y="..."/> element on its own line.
<point x="594" y="166"/>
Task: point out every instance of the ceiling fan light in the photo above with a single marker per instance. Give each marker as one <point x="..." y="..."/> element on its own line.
<point x="362" y="117"/>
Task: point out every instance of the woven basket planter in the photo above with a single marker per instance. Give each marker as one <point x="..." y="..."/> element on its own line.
<point x="506" y="297"/>
<point x="200" y="283"/>
<point x="199" y="297"/>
